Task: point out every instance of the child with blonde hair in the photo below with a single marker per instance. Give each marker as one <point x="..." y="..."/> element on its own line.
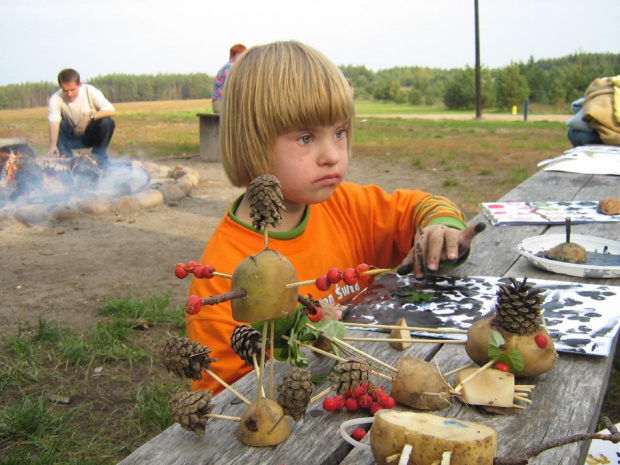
<point x="288" y="111"/>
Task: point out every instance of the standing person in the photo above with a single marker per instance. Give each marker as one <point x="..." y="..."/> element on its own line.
<point x="222" y="74"/>
<point x="79" y="117"/>
<point x="302" y="135"/>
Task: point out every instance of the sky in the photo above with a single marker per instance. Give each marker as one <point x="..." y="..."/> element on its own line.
<point x="41" y="37"/>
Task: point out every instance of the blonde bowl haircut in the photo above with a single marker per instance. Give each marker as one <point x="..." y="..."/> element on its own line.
<point x="274" y="89"/>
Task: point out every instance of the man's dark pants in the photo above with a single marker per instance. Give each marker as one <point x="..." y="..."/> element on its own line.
<point x="98" y="135"/>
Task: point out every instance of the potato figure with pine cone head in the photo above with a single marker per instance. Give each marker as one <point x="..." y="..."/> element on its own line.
<point x="516" y="316"/>
<point x="265" y="274"/>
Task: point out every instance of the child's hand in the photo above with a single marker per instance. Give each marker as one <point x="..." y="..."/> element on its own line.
<point x="438" y="242"/>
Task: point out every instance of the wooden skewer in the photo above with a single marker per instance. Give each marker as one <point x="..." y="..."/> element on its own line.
<point x="388" y="339"/>
<point x="229" y="387"/>
<point x="355" y="349"/>
<point x="257" y="371"/>
<point x="221" y="275"/>
<point x="330" y="355"/>
<point x="272" y="352"/>
<point x="320" y="394"/>
<point x="312" y="281"/>
<point x="522" y="399"/>
<point x="474" y="374"/>
<point x="223" y="417"/>
<point x="517" y="406"/>
<point x="456" y="370"/>
<point x="262" y="362"/>
<point x="410" y="328"/>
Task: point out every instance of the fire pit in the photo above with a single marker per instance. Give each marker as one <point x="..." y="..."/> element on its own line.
<point x="34" y="189"/>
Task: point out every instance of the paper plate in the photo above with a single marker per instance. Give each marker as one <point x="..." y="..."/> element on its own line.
<point x="531" y="248"/>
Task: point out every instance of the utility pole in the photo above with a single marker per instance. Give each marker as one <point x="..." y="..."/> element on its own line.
<point x="478" y="92"/>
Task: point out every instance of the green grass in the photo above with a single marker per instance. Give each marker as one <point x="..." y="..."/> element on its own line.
<point x="118" y="389"/>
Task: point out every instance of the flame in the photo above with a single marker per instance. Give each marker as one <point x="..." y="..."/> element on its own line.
<point x="11" y="163"/>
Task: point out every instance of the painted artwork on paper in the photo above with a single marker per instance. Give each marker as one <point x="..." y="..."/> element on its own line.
<point x="506" y="213"/>
<point x="581" y="318"/>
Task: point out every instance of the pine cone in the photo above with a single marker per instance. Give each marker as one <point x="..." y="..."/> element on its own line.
<point x="518" y="307"/>
<point x="185" y="358"/>
<point x="189" y="410"/>
<point x="295" y="390"/>
<point x="347" y="375"/>
<point x="265" y="198"/>
<point x="247" y="341"/>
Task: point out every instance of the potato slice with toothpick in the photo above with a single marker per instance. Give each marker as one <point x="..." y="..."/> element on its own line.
<point x="490" y="387"/>
<point x="400" y="334"/>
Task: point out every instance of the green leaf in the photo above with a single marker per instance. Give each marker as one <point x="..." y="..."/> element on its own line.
<point x="496" y="339"/>
<point x="412" y="296"/>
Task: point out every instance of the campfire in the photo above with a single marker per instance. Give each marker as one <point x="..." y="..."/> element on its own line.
<point x="35" y="189"/>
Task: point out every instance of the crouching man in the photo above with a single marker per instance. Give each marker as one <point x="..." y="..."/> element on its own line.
<point x="79" y="117"/>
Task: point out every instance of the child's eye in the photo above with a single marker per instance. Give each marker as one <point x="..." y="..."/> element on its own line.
<point x="305" y="139"/>
<point x="340" y="133"/>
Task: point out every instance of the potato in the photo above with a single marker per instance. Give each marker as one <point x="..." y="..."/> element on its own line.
<point x="431" y="435"/>
<point x="489" y="387"/>
<point x="536" y="360"/>
<point x="609" y="206"/>
<point x="400" y="334"/>
<point x="416" y="377"/>
<point x="256" y="424"/>
<point x="264" y="277"/>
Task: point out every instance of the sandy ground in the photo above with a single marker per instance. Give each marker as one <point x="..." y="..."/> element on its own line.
<point x="62" y="271"/>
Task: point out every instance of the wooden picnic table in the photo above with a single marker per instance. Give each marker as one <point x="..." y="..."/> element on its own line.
<point x="566" y="400"/>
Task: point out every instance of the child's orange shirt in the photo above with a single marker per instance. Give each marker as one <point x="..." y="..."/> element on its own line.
<point x="357" y="224"/>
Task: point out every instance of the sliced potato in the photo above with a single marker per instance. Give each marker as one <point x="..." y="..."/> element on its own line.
<point x="400" y="334"/>
<point x="430" y="436"/>
<point x="489" y="387"/>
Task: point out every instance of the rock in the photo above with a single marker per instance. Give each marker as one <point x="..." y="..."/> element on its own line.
<point x="32" y="214"/>
<point x="96" y="206"/>
<point x="126" y="204"/>
<point x="172" y="193"/>
<point x="149" y="198"/>
<point x="64" y="212"/>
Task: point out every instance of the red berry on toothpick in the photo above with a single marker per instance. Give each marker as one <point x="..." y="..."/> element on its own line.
<point x="334" y="275"/>
<point x="501" y="366"/>
<point x="339" y="402"/>
<point x="198" y="271"/>
<point x="193" y="305"/>
<point x="358" y="434"/>
<point x="541" y="340"/>
<point x="361" y="269"/>
<point x="315" y="315"/>
<point x="208" y="271"/>
<point x="349" y="276"/>
<point x="180" y="271"/>
<point x="322" y="283"/>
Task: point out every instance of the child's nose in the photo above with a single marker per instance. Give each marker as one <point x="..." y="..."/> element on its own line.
<point x="330" y="153"/>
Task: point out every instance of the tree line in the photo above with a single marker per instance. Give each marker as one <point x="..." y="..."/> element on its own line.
<point x="550" y="81"/>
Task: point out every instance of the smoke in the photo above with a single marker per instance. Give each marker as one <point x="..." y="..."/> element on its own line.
<point x="53" y="182"/>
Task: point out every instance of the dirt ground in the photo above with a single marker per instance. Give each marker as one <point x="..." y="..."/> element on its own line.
<point x="61" y="271"/>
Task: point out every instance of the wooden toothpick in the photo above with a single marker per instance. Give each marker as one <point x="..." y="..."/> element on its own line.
<point x="410" y="328"/>
<point x="341" y="343"/>
<point x="229" y="387"/>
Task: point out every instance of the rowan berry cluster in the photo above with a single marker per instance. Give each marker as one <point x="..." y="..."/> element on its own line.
<point x="365" y="396"/>
<point x="182" y="270"/>
<point x="348" y="276"/>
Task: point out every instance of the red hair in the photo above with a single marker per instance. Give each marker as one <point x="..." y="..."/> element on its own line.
<point x="237" y="48"/>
